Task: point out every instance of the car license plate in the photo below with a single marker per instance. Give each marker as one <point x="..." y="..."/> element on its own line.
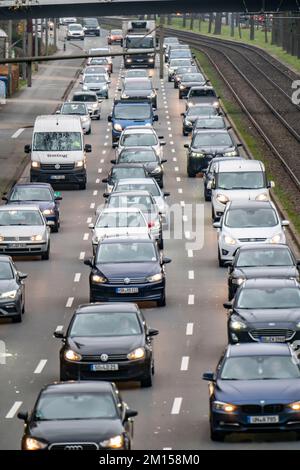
<point x="104" y="367"/>
<point x="272" y="339"/>
<point x="263" y="419"/>
<point x="127" y="290"/>
<point x="17" y="245"/>
<point x="58" y="177"/>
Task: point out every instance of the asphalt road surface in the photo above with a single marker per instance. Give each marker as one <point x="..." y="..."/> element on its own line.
<point x="174" y="412"/>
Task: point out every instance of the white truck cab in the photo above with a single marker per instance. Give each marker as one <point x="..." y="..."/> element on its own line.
<point x="58" y="153"/>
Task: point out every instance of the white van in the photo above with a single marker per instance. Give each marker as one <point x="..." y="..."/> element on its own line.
<point x="238" y="180"/>
<point x="58" y="153"/>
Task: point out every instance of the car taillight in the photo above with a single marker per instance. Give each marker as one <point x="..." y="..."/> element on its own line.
<point x="150" y="224"/>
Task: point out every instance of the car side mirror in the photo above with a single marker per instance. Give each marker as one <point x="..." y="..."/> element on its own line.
<point x="4" y="198"/>
<point x="217" y="224"/>
<point x="88" y="262"/>
<point x="228" y="264"/>
<point x="186" y="146"/>
<point x="91" y="226"/>
<point x="105" y="180"/>
<point x="23" y="415"/>
<point x="22" y="275"/>
<point x="105" y="195"/>
<point x="81" y="82"/>
<point x="164" y="160"/>
<point x="119" y="89"/>
<point x="58" y="111"/>
<point x="130" y="414"/>
<point x="153" y="332"/>
<point x="161" y="137"/>
<point x="155" y="117"/>
<point x="27" y="148"/>
<point x="115" y="145"/>
<point x="271" y="184"/>
<point x="58" y="198"/>
<point x="229" y="127"/>
<point x="113" y="161"/>
<point x="209" y="376"/>
<point x="88" y="148"/>
<point x="227" y="305"/>
<point x="182" y="114"/>
<point x="162" y="143"/>
<point x="166" y="260"/>
<point x="59" y="334"/>
<point x="285" y="223"/>
<point x="239" y="144"/>
<point x="166" y="194"/>
<point x="109" y="118"/>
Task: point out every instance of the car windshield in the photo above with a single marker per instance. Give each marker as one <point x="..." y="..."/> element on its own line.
<point x="5" y="271"/>
<point x="210" y="123"/>
<point x="136" y="73"/>
<point x="130" y="172"/>
<point x="180" y="62"/>
<point x="265" y="257"/>
<point x="202" y="111"/>
<point x="207" y="139"/>
<point x="20" y="217"/>
<point x="95" y="79"/>
<point x="22" y="193"/>
<point x="138" y="140"/>
<point x="140" y="42"/>
<point x="69" y="406"/>
<point x="241" y="180"/>
<point x="99" y="61"/>
<point x="260" y="368"/>
<point x="91" y="22"/>
<point x="269" y="298"/>
<point x="126" y="253"/>
<point x="180" y="54"/>
<point x="137" y="156"/>
<point x="95" y="70"/>
<point x="120" y="219"/>
<point x="75" y="27"/>
<point x="138" y="85"/>
<point x="86" y="98"/>
<point x="136" y="112"/>
<point x="151" y="187"/>
<point x="192" y="77"/>
<point x="116" y="32"/>
<point x="57" y="141"/>
<point x="183" y="70"/>
<point x="105" y="324"/>
<point x="250" y="218"/>
<point x="171" y="41"/>
<point x="144" y="203"/>
<point x="202" y="93"/>
<point x="74" y="108"/>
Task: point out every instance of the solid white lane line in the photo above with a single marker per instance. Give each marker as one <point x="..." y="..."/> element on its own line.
<point x="190" y="254"/>
<point x="191" y="299"/>
<point x="13" y="409"/>
<point x="95" y="192"/>
<point x="77" y="277"/>
<point x="86" y="236"/>
<point x="82" y="255"/>
<point x="70" y="302"/>
<point x="184" y="363"/>
<point x="169" y="128"/>
<point x="180" y="190"/>
<point x="189" y="329"/>
<point x="40" y="366"/>
<point x="191" y="275"/>
<point x="92" y="206"/>
<point x="89" y="220"/>
<point x="105" y="143"/>
<point x="171" y="135"/>
<point x="176" y="406"/>
<point x="173" y="150"/>
<point x="17" y="133"/>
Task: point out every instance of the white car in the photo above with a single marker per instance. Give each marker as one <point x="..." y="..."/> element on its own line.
<point x="140" y="136"/>
<point x="107" y="56"/>
<point x="119" y="222"/>
<point x="75" y="108"/>
<point x="92" y="101"/>
<point x="248" y="222"/>
<point x="136" y="73"/>
<point x="95" y="70"/>
<point x="75" y="31"/>
<point x="237" y="180"/>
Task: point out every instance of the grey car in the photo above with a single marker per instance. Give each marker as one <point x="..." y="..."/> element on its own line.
<point x="96" y="83"/>
<point x="24" y="231"/>
<point x="202" y="94"/>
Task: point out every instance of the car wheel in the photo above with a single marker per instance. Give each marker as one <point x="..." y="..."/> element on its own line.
<point x="17" y="318"/>
<point x="221" y="262"/>
<point x="23" y="308"/>
<point x="217" y="436"/>
<point x="162" y="301"/>
<point x="213" y="216"/>
<point x="55" y="227"/>
<point x="98" y="117"/>
<point x="207" y="196"/>
<point x="161" y="243"/>
<point x="180" y="96"/>
<point x="191" y="174"/>
<point x="92" y="299"/>
<point x="169" y="79"/>
<point x="62" y="376"/>
<point x="147" y="380"/>
<point x="161" y="183"/>
<point x="106" y="96"/>
<point x="175" y="84"/>
<point x="46" y="255"/>
<point x="185" y="133"/>
<point x="82" y="186"/>
<point x="89" y="131"/>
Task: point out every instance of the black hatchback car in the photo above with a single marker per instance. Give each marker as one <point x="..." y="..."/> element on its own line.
<point x="127" y="269"/>
<point x="12" y="290"/>
<point x="78" y="416"/>
<point x="269" y="260"/>
<point x="255" y="388"/>
<point x="266" y="310"/>
<point x="107" y="342"/>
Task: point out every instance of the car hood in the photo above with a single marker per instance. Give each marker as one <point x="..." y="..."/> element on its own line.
<point x="96" y="85"/>
<point x="132" y="122"/>
<point x="139" y="93"/>
<point x="22" y="230"/>
<point x="60" y="156"/>
<point x="43" y="205"/>
<point x="242" y="194"/>
<point x="203" y="99"/>
<point x="190" y="84"/>
<point x="281" y="272"/>
<point x="90" y="430"/>
<point x="7" y="285"/>
<point x="253" y="391"/>
<point x="120" y="270"/>
<point x="280" y="316"/>
<point x="111" y="231"/>
<point x="107" y="345"/>
<point x="253" y="232"/>
<point x="213" y="149"/>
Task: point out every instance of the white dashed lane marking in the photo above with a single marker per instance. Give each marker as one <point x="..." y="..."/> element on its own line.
<point x="77" y="277"/>
<point x="189" y="329"/>
<point x="176" y="406"/>
<point x="17" y="133"/>
<point x="185" y="363"/>
<point x="40" y="366"/>
<point x="70" y="302"/>
<point x="13" y="410"/>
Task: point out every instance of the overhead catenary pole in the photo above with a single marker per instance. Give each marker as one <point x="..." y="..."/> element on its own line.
<point x="29" y="53"/>
<point x="161" y="46"/>
<point x="36" y="42"/>
<point x="9" y="91"/>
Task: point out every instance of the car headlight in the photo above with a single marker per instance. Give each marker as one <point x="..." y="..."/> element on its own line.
<point x="188" y="123"/>
<point x="116" y="442"/>
<point x="228" y="407"/>
<point x="35" y="164"/>
<point x="138" y="353"/>
<point x="171" y="70"/>
<point x="84" y="87"/>
<point x="85" y="119"/>
<point x="79" y="164"/>
<point x="118" y="127"/>
<point x="72" y="355"/>
<point x="128" y="60"/>
<point x="48" y="212"/>
<point x="36" y="238"/>
<point x="34" y="444"/>
<point x="232" y="153"/>
<point x="222" y="198"/>
<point x="215" y="104"/>
<point x="155" y="277"/>
<point x="294" y="406"/>
<point x="238" y="280"/>
<point x="237" y="325"/>
<point x="276" y="238"/>
<point x="182" y="87"/>
<point x="152" y="95"/>
<point x="262" y="197"/>
<point x="151" y="60"/>
<point x="1" y="238"/>
<point x="197" y="154"/>
<point x="11" y="294"/>
<point x="98" y="279"/>
<point x="229" y="240"/>
<point x="156" y="170"/>
<point x="124" y="96"/>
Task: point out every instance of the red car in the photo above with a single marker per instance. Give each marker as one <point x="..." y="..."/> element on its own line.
<point x="115" y="37"/>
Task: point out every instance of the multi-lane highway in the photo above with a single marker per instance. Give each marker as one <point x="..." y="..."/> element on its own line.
<point x="173" y="413"/>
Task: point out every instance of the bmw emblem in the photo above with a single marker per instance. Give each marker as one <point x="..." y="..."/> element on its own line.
<point x="57" y="166"/>
<point x="104" y="357"/>
<point x="126" y="280"/>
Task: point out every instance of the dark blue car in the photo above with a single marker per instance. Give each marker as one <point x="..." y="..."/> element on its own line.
<point x="127" y="269"/>
<point x="130" y="113"/>
<point x="256" y="388"/>
<point x="40" y="194"/>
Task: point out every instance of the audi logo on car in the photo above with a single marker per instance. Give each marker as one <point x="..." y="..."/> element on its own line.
<point x="73" y="447"/>
<point x="104" y="357"/>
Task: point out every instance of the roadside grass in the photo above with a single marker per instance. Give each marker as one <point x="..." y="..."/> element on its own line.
<point x="238" y="118"/>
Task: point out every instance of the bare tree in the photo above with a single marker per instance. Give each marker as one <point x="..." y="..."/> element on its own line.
<point x="252" y="29"/>
<point x="218" y="24"/>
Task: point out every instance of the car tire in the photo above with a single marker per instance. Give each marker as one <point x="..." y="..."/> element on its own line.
<point x="147" y="380"/>
<point x="207" y="197"/>
<point x="161" y="243"/>
<point x="162" y="301"/>
<point x="98" y="118"/>
<point x="169" y="79"/>
<point x="217" y="436"/>
<point x="17" y="318"/>
<point x="191" y="174"/>
<point x="180" y="96"/>
<point x="185" y="133"/>
<point x="89" y="131"/>
<point x="175" y="84"/>
<point x="63" y="377"/>
<point x="82" y="186"/>
<point x="213" y="215"/>
<point x="55" y="228"/>
<point x="46" y="255"/>
<point x="220" y="261"/>
<point x="161" y="183"/>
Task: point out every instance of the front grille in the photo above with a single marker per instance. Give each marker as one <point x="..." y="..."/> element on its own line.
<point x="262" y="409"/>
<point x="74" y="446"/>
<point x="249" y="240"/>
<point x="258" y="333"/>
<point x="111" y="358"/>
<point x="133" y="280"/>
<point x="52" y="166"/>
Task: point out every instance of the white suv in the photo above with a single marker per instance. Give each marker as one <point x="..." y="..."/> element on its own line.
<point x="140" y="136"/>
